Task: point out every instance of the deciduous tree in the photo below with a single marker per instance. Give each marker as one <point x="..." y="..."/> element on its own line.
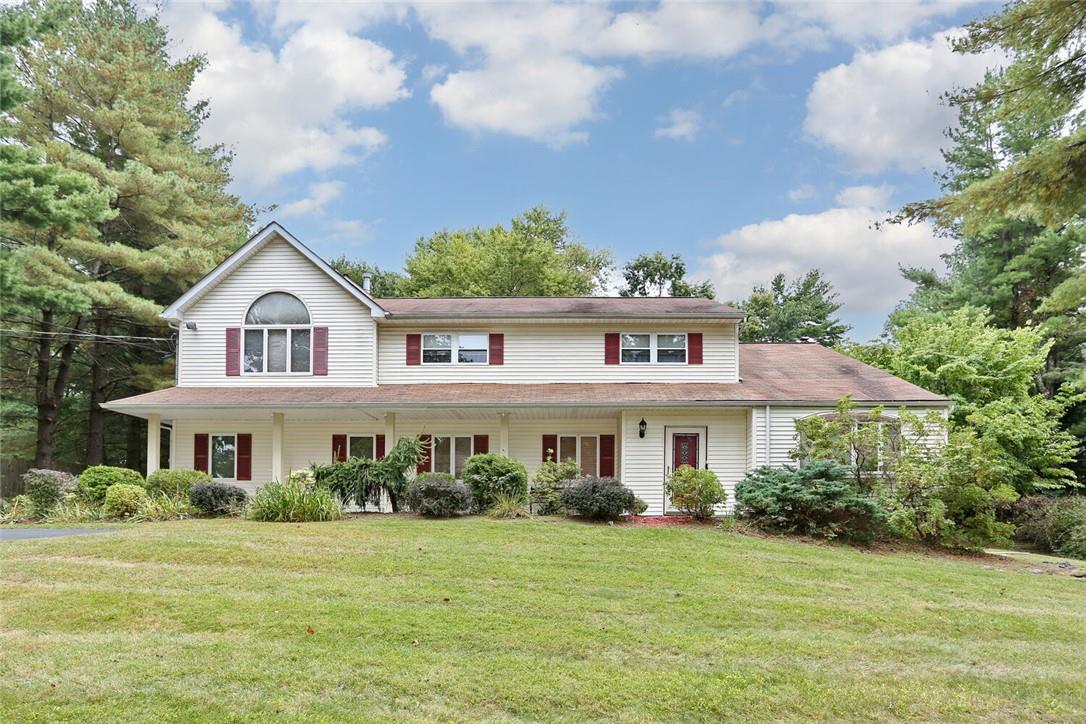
<point x="656" y="275"/>
<point x="532" y="257"/>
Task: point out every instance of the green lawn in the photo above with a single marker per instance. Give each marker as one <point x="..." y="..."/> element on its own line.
<point x="399" y="618"/>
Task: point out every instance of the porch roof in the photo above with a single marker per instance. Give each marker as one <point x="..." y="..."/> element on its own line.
<point x="772" y="373"/>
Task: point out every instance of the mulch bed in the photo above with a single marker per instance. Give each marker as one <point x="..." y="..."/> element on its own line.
<point x="657" y="521"/>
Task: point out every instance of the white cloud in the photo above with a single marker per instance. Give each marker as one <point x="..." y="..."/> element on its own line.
<point x="682" y="125"/>
<point x="350" y="16"/>
<point x="543" y="98"/>
<point x="803" y="192"/>
<point x="352" y="230"/>
<point x="860" y="260"/>
<point x="319" y="196"/>
<point x="540" y="69"/>
<point x="681" y="29"/>
<point x="871" y="197"/>
<point x="431" y="72"/>
<point x="812" y="25"/>
<point x="883" y="109"/>
<point x="284" y="111"/>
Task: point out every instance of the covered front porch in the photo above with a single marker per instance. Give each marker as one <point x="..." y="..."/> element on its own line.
<point x="639" y="445"/>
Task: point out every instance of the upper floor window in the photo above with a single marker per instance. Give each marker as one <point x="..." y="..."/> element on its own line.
<point x="278" y="335"/>
<point x="643" y="348"/>
<point x="450" y="348"/>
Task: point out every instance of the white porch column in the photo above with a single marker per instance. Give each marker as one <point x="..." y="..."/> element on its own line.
<point x="503" y="434"/>
<point x="278" y="473"/>
<point x="390" y="431"/>
<point x="154" y="441"/>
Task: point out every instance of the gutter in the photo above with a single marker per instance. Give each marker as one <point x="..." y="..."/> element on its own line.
<point x="119" y="406"/>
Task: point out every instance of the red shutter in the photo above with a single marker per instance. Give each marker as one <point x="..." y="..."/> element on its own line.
<point x="245" y="456"/>
<point x="339" y="448"/>
<point x="550" y="447"/>
<point x="424" y="464"/>
<point x="320" y="351"/>
<point x="694" y="349"/>
<point x="199" y="451"/>
<point x="610" y="348"/>
<point x="378" y="447"/>
<point x="414" y="349"/>
<point x="497" y="349"/>
<point x="481" y="445"/>
<point x="607" y="456"/>
<point x="233" y="351"/>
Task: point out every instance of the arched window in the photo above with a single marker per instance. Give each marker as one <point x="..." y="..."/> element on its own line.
<point x="278" y="335"/>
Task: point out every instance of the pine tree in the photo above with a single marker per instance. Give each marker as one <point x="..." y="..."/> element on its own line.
<point x="804" y="309"/>
<point x="104" y="99"/>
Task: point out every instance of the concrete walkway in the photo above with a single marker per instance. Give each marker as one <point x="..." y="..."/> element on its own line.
<point x="28" y="533"/>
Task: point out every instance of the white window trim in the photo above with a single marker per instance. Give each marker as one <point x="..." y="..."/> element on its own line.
<point x="653" y="349"/>
<point x="454" y="349"/>
<point x="371" y="435"/>
<point x="880" y="462"/>
<point x="290" y="328"/>
<point x="452" y="450"/>
<point x="266" y="327"/>
<point x="578" y="436"/>
<point x="211" y="455"/>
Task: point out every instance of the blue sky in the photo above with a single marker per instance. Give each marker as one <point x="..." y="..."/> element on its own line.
<point x="749" y="137"/>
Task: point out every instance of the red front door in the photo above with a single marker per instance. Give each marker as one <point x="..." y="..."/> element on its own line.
<point x="684" y="447"/>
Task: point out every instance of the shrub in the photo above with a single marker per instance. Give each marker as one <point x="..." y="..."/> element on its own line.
<point x="949" y="495"/>
<point x="217" y="498"/>
<point x="46" y="488"/>
<point x="293" y="502"/>
<point x="72" y="509"/>
<point x="363" y="481"/>
<point x="819" y="499"/>
<point x="305" y="477"/>
<point x="124" y="500"/>
<point x="548" y="483"/>
<point x="639" y="506"/>
<point x="161" y="506"/>
<point x="695" y="491"/>
<point x="437" y="495"/>
<point x="489" y="475"/>
<point x="1057" y="525"/>
<point x="175" y="482"/>
<point x="509" y="506"/>
<point x="94" y="481"/>
<point x="599" y="498"/>
<point x="17" y="509"/>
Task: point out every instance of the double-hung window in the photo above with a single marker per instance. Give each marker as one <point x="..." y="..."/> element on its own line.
<point x="224" y="457"/>
<point x="450" y="453"/>
<point x="361" y="446"/>
<point x="581" y="449"/>
<point x="455" y="348"/>
<point x="278" y="336"/>
<point x="647" y="348"/>
<point x="871" y="452"/>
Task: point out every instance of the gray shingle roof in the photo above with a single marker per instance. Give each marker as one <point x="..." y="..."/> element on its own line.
<point x="467" y="307"/>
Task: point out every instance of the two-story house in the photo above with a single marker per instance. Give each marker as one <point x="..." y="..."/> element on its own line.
<point x="282" y="362"/>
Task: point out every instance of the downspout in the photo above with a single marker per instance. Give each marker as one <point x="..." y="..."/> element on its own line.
<point x="766" y="434"/>
<point x="177" y="360"/>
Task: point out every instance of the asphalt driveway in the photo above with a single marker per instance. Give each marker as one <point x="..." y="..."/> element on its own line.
<point x="28" y="533"/>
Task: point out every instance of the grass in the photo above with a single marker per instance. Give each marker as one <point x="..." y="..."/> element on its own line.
<point x="399" y="618"/>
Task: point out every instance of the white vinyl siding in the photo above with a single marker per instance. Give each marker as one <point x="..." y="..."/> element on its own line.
<point x="570" y="352"/>
<point x="277" y="267"/>
<point x="782" y="430"/>
<point x="644" y="460"/>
